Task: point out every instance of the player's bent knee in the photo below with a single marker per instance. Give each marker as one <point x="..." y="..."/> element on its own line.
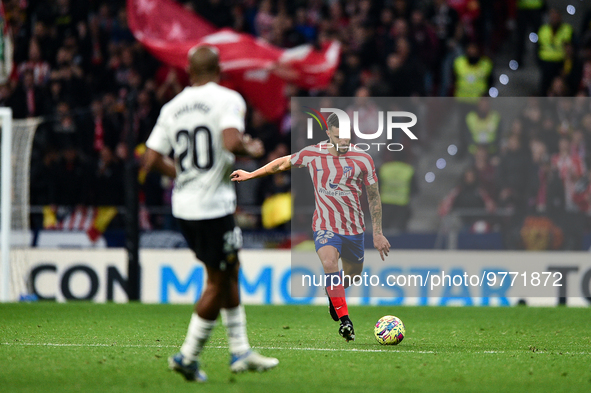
<point x="330" y="265"/>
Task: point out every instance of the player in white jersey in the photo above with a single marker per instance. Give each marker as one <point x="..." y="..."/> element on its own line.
<point x="203" y="127"/>
<point x="337" y="174"/>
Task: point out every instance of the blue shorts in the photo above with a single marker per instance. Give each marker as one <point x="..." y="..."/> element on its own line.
<point x="350" y="247"/>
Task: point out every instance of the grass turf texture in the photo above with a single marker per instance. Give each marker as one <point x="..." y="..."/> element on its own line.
<point x="123" y="348"/>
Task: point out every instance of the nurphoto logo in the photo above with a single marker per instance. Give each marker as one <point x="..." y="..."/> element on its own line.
<point x="392" y="123"/>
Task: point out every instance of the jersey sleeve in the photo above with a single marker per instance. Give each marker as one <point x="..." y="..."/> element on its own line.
<point x="301" y="158"/>
<point x="369" y="175"/>
<point x="159" y="138"/>
<point x="232" y="115"/>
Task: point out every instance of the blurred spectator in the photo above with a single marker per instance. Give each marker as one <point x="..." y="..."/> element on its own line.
<point x="105" y="131"/>
<point x="403" y="73"/>
<point x="579" y="148"/>
<point x="66" y="133"/>
<point x="582" y="195"/>
<point x="69" y="75"/>
<point x="558" y="88"/>
<point x="570" y="169"/>
<point x="469" y="197"/>
<point x="426" y="46"/>
<point x="483" y="125"/>
<point x="108" y="179"/>
<point x="473" y="74"/>
<point x="537" y="177"/>
<point x="36" y="64"/>
<point x="486" y="172"/>
<point x="449" y="32"/>
<point x="548" y="133"/>
<point x="513" y="175"/>
<point x="28" y="100"/>
<point x="397" y="185"/>
<point x="529" y="18"/>
<point x="169" y="82"/>
<point x="43" y="174"/>
<point x="264" y="20"/>
<point x="469" y="12"/>
<point x="351" y="74"/>
<point x="74" y="178"/>
<point x="517" y="130"/>
<point x="586" y="130"/>
<point x="553" y="39"/>
<point x="264" y="130"/>
<point x="145" y="116"/>
<point x="303" y="26"/>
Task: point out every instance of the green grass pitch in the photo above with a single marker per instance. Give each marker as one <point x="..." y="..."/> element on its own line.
<point x="82" y="347"/>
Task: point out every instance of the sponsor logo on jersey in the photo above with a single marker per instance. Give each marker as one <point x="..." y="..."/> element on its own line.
<point x="334" y="193"/>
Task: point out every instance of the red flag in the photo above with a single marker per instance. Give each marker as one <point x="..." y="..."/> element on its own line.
<point x="253" y="67"/>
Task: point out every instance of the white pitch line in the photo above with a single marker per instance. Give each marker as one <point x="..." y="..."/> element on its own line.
<point x="341" y="350"/>
<point x="275" y="348"/>
<point x="88" y="345"/>
<point x="212" y="346"/>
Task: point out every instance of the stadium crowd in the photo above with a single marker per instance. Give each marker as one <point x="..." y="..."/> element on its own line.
<point x="533" y="168"/>
<point x="77" y="62"/>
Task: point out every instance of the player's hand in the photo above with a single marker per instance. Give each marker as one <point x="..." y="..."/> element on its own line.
<point x="240" y="175"/>
<point x="254" y="147"/>
<point x="381" y="244"/>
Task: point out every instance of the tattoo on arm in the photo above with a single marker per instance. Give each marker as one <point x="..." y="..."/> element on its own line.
<point x="375" y="207"/>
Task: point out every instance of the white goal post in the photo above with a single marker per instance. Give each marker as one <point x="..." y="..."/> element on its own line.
<point x="6" y="209"/>
<point x="15" y="234"/>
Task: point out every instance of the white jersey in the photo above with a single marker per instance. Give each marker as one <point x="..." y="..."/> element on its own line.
<point x="191" y="125"/>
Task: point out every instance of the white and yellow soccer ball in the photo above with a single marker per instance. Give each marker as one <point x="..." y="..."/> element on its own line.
<point x="389" y="330"/>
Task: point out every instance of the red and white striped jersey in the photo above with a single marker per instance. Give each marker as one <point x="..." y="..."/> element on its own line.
<point x="337" y="187"/>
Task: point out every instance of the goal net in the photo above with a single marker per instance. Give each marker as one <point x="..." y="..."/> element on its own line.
<point x="15" y="200"/>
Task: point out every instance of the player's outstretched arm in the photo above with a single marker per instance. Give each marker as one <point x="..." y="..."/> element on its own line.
<point x="375" y="208"/>
<point x="153" y="160"/>
<point x="278" y="165"/>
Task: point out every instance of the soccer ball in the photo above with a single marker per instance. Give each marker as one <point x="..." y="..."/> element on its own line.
<point x="389" y="330"/>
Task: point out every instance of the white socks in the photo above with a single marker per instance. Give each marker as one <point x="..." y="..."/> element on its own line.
<point x="197" y="335"/>
<point x="234" y="319"/>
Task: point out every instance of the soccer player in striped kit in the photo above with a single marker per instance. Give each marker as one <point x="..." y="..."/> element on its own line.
<point x="338" y="173"/>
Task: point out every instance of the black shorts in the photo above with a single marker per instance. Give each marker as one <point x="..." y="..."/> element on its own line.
<point x="215" y="242"/>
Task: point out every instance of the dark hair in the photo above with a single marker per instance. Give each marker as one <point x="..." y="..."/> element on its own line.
<point x="333" y="121"/>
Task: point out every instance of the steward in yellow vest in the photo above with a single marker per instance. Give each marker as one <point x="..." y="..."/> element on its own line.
<point x="553" y="39"/>
<point x="473" y="75"/>
<point x="483" y="127"/>
<point x="395" y="182"/>
<point x="397" y="185"/>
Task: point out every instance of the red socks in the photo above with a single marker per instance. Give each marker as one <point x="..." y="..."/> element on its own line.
<point x="336" y="293"/>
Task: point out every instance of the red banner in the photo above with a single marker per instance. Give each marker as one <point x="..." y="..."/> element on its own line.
<point x="253" y="67"/>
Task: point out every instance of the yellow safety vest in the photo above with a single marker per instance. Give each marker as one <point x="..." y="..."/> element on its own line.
<point x="530" y="4"/>
<point x="484" y="131"/>
<point x="471" y="80"/>
<point x="395" y="180"/>
<point x="551" y="44"/>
